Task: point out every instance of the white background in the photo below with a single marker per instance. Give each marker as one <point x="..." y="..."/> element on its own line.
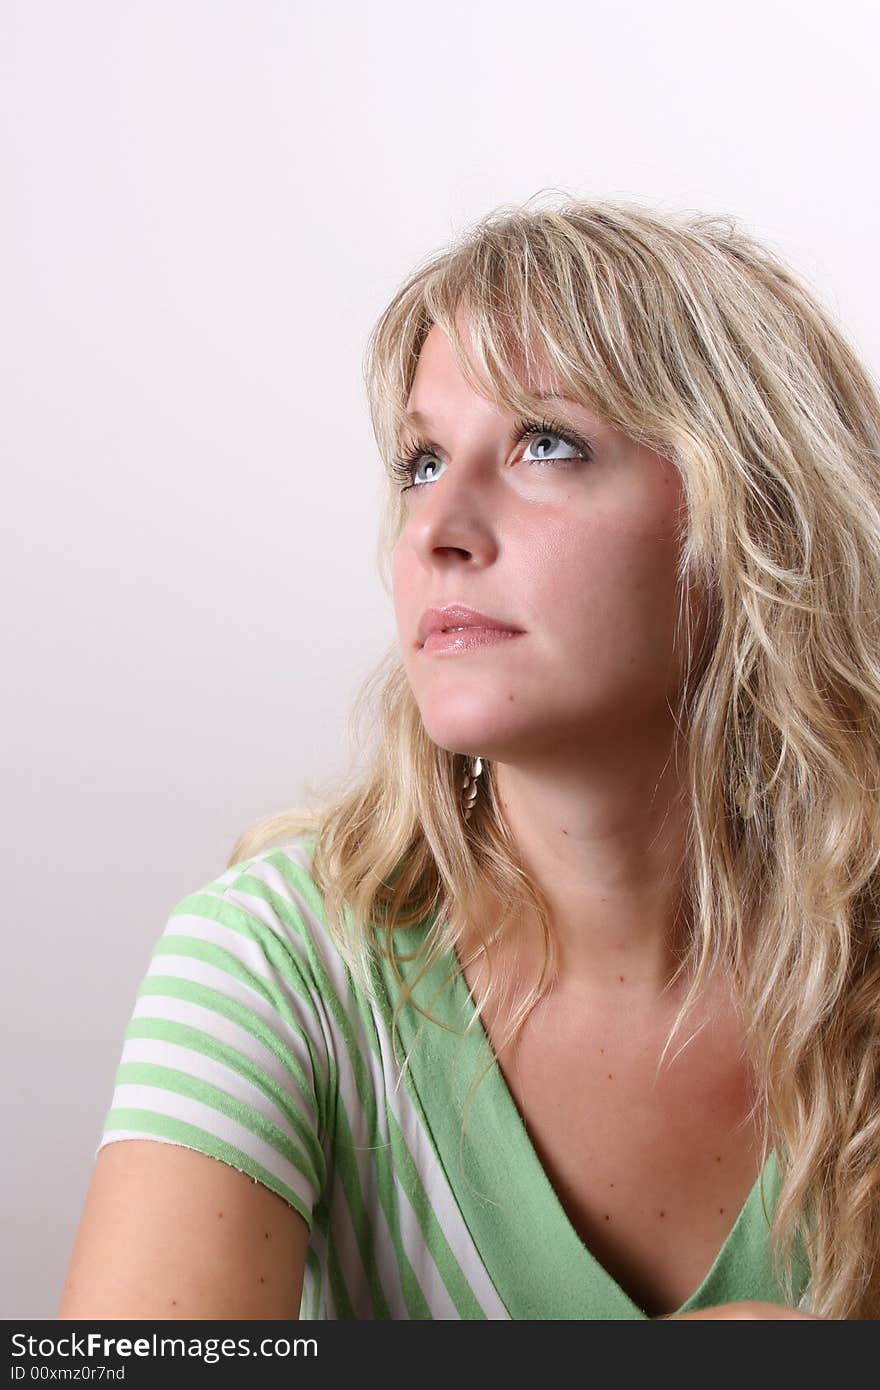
<point x="205" y="206"/>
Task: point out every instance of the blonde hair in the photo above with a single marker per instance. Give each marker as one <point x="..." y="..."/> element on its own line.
<point x="700" y="343"/>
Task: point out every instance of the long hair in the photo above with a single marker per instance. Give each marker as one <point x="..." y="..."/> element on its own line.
<point x="695" y="340"/>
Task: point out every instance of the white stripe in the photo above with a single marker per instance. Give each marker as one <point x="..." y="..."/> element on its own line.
<point x="348" y="1254"/>
<point x="193" y="968"/>
<point x="200" y="972"/>
<point x="318" y="1243"/>
<point x="172" y="1009"/>
<point x="350" y="1262"/>
<point x="251" y="953"/>
<point x="427" y="1165"/>
<point x="384" y="1075"/>
<point x="158" y="1052"/>
<point x="441" y="1199"/>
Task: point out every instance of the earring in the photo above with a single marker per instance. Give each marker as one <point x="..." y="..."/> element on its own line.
<point x="470" y="786"/>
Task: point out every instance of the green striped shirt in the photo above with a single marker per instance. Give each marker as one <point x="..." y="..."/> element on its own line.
<point x="251" y="1042"/>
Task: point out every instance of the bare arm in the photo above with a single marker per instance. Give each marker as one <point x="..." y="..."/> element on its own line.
<point x="167" y="1232"/>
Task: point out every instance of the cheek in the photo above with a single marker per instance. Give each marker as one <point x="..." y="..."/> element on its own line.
<point x="611" y="581"/>
<point x="399" y="585"/>
<point x="409" y="595"/>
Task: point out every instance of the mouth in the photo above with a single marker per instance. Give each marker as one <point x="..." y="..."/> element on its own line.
<point x="455" y="618"/>
<point x="466" y="639"/>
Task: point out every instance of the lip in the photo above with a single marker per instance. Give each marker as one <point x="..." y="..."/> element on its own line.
<point x="457" y="615"/>
<point x="468" y="639"/>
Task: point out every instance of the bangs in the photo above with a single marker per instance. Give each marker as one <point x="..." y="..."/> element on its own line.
<point x="516" y="338"/>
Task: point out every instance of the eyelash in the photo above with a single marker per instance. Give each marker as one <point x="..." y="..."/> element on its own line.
<point x="402" y="468"/>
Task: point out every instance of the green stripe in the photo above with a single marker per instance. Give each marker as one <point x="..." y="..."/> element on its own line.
<point x="322" y="1223"/>
<point x="277" y="954"/>
<point x="416" y="1301"/>
<point x="344" y="1308"/>
<point x="454" y="1278"/>
<point x="170" y="986"/>
<point x="299" y="965"/>
<point x="349" y="1174"/>
<point x="397" y="1156"/>
<point x="179" y="1083"/>
<point x="311" y="1286"/>
<point x="197" y="1041"/>
<point x="284" y="961"/>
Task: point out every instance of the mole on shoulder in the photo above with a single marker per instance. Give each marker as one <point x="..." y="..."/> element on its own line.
<point x="621" y="978"/>
<point x="663" y="1213"/>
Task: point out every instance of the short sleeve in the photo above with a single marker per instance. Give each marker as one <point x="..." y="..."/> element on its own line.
<point x="226" y="1051"/>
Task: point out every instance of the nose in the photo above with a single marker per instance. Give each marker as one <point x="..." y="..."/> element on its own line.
<point x="461" y="517"/>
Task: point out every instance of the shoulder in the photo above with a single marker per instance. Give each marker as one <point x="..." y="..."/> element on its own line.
<point x="267" y="906"/>
<point x="233" y="1041"/>
<point x="254" y="944"/>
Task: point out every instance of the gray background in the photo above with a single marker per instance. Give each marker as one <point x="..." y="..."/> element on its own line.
<point x="205" y="206"/>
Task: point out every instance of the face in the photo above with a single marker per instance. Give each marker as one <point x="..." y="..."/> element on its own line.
<point x="579" y="554"/>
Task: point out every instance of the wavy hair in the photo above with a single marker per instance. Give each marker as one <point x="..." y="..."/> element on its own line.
<point x="697" y="341"/>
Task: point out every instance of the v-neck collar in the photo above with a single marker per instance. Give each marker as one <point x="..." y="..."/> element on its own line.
<point x="537" y="1261"/>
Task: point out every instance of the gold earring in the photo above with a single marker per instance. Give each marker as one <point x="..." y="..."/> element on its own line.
<point x="470" y="786"/>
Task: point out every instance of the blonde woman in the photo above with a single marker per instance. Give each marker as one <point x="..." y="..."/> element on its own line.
<point x="569" y="1005"/>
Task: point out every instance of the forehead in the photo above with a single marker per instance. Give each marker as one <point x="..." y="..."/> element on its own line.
<point x="438" y="371"/>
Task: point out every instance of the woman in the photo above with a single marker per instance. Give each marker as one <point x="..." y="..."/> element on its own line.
<point x="569" y="1005"/>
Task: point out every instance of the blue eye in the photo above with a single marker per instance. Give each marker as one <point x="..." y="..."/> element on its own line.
<point x="404" y="468"/>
